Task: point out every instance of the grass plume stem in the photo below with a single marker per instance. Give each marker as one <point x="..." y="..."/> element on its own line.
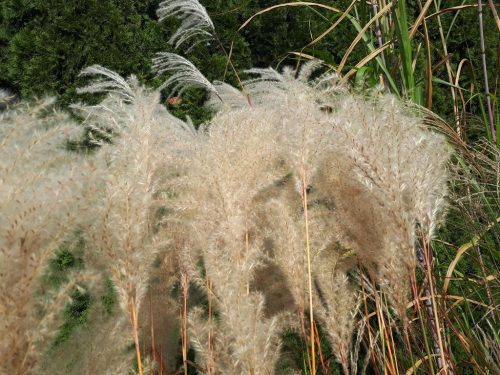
<point x="135" y="334"/>
<point x="309" y="274"/>
<point x="431" y="306"/>
<point x="185" y="290"/>
<point x="489" y="108"/>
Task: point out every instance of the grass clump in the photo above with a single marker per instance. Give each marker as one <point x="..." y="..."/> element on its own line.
<point x="282" y="182"/>
<point x="303" y="216"/>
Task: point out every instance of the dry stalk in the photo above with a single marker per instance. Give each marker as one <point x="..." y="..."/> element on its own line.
<point x="135" y="334"/>
<point x="152" y="329"/>
<point x="309" y="273"/>
<point x="380" y="41"/>
<point x="450" y="78"/>
<point x="185" y="290"/>
<point x="489" y="106"/>
<point x="210" y="344"/>
<point x="384" y="337"/>
<point x="431" y="306"/>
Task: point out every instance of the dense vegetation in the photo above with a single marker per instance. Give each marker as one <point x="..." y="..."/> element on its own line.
<point x="45" y="44"/>
<point x="157" y="243"/>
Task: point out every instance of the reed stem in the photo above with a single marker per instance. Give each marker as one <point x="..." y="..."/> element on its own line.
<point x="485" y="74"/>
<point x="135" y="334"/>
<point x="309" y="274"/>
<point x="185" y="288"/>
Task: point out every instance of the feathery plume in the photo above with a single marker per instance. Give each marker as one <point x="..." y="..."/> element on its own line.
<point x="110" y="82"/>
<point x="226" y="96"/>
<point x="185" y="74"/>
<point x="367" y="193"/>
<point x="218" y="201"/>
<point x="41" y="200"/>
<point x="125" y="232"/>
<point x="195" y="21"/>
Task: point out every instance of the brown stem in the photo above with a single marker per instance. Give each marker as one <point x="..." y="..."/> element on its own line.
<point x="153" y="344"/>
<point x="210" y="367"/>
<point x="430" y="313"/>
<point x="486" y="284"/>
<point x="485" y="73"/>
<point x="161" y="360"/>
<point x="135" y="334"/>
<point x="450" y="76"/>
<point x="389" y="358"/>
<point x="380" y="41"/>
<point x="495" y="14"/>
<point x="230" y="62"/>
<point x="320" y="351"/>
<point x="302" y="320"/>
<point x="431" y="306"/>
<point x="309" y="273"/>
<point x="373" y="358"/>
<point x="185" y="287"/>
<point x="428" y="58"/>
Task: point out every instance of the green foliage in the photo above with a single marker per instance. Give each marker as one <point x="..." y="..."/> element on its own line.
<point x="45" y="44"/>
<point x="461" y="32"/>
<point x="108" y="300"/>
<point x="67" y="259"/>
<point x="76" y="314"/>
<point x="64" y="261"/>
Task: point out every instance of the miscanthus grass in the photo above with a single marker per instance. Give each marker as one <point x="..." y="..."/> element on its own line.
<point x="42" y="201"/>
<point x="310" y="179"/>
<point x="296" y="184"/>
